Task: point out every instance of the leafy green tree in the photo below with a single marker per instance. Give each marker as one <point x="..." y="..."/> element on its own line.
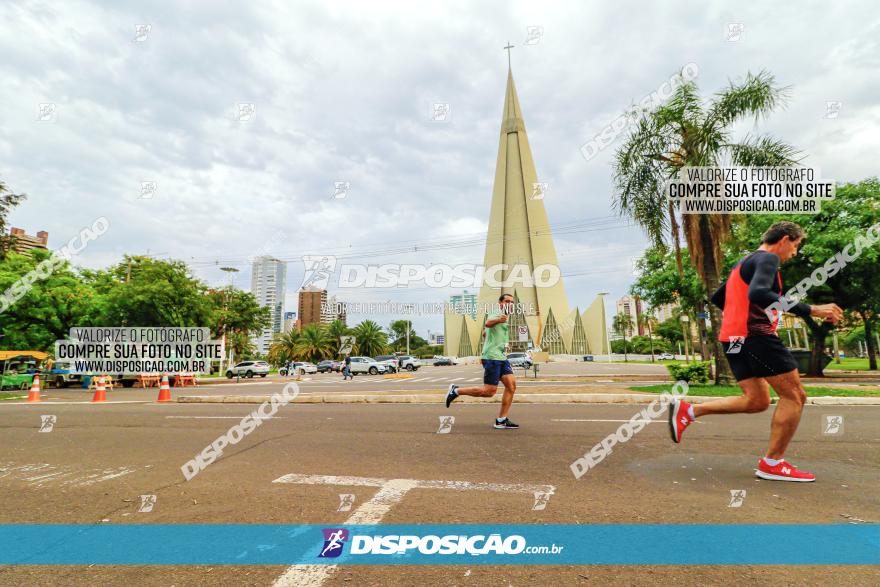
<point x="142" y="291"/>
<point x="235" y="310"/>
<point x="686" y="131"/>
<point x="842" y="223"/>
<point x="370" y="339"/>
<point x="50" y="308"/>
<point x="8" y="201"/>
<point x="398" y="330"/>
<point x="236" y="314"/>
<point x="670" y="330"/>
<point x="659" y="282"/>
<point x="314" y="343"/>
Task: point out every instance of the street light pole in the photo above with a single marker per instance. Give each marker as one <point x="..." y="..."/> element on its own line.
<point x="231" y="271"/>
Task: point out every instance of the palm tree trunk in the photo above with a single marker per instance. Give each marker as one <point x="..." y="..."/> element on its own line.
<point x="676" y="239"/>
<point x="709" y="273"/>
<point x="869" y="341"/>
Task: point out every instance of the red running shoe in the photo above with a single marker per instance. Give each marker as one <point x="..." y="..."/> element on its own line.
<point x="678" y="418"/>
<point x="783" y="472"/>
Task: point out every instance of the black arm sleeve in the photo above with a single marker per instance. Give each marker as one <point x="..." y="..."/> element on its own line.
<point x="760" y="287"/>
<point x="719" y="296"/>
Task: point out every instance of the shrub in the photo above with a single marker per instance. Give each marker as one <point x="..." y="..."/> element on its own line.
<point x="696" y="372"/>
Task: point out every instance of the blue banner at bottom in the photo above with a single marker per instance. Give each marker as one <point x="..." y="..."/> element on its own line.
<point x="604" y="544"/>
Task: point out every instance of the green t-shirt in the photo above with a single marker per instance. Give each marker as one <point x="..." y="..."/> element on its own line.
<point x="496" y="339"/>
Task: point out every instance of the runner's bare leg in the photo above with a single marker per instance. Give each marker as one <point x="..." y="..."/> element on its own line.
<point x="755" y="398"/>
<point x="787" y="416"/>
<point x="509" y="382"/>
<point x="484" y="391"/>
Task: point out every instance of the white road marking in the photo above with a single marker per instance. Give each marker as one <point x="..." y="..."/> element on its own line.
<point x="391" y="491"/>
<point x="50" y="473"/>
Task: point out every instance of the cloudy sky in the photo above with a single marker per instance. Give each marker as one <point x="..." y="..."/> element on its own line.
<point x="343" y="91"/>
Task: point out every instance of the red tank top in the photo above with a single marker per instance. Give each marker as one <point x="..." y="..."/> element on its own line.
<point x="742" y="318"/>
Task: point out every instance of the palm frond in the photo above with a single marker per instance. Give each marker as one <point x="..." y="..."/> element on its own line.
<point x="762" y="152"/>
<point x="757" y="95"/>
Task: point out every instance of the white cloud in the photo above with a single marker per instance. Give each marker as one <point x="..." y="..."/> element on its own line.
<point x="342" y="92"/>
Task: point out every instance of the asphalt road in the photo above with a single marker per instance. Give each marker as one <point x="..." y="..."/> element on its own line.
<point x="98" y="459"/>
<point x="425" y="378"/>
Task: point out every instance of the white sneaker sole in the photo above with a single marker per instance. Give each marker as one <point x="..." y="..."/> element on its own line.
<point x="771" y="477"/>
<point x="673" y="426"/>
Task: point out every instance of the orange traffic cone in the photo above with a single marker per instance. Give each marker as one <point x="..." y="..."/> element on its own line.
<point x="34" y="395"/>
<point x="100" y="391"/>
<point x="164" y="390"/>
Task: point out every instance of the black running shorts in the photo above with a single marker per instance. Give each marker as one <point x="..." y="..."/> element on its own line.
<point x="758" y="356"/>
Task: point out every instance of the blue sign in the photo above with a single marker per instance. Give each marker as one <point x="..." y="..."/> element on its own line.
<point x="471" y="544"/>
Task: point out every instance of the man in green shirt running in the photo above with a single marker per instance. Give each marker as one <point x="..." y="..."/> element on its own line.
<point x="495" y="365"/>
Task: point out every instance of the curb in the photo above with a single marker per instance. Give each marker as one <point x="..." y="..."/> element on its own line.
<point x="555" y="398"/>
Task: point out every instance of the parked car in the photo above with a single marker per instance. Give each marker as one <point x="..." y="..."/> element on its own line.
<point x="298" y="368"/>
<point x="390" y="362"/>
<point x="60" y="375"/>
<point x="248" y="369"/>
<point x="443" y="361"/>
<point x="325" y="366"/>
<point x="666" y="357"/>
<point x="362" y="365"/>
<point x="522" y="360"/>
<point x="409" y="363"/>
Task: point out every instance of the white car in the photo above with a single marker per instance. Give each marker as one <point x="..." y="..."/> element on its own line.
<point x="299" y="368"/>
<point x="666" y="357"/>
<point x="520" y="360"/>
<point x="248" y="369"/>
<point x="409" y="363"/>
<point x="390" y="362"/>
<point x="363" y="365"/>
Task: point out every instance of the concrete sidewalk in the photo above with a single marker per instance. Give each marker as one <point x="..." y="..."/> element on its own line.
<point x="531" y="397"/>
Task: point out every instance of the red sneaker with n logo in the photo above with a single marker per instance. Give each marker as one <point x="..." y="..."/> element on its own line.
<point x="678" y="419"/>
<point x="782" y="471"/>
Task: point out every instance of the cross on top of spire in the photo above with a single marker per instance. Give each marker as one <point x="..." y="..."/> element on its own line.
<point x="508" y="48"/>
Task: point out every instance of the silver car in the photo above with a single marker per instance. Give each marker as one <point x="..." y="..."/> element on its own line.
<point x="364" y="365"/>
<point x="522" y="360"/>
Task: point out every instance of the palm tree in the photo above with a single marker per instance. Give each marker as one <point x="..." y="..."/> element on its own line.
<point x="336" y="330"/>
<point x="649" y="322"/>
<point x="621" y="324"/>
<point x="371" y="340"/>
<point x="283" y="347"/>
<point x="241" y="345"/>
<point x="314" y="343"/>
<point x="686" y="132"/>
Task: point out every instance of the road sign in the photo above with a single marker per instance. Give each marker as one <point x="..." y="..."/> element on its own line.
<point x="522" y="333"/>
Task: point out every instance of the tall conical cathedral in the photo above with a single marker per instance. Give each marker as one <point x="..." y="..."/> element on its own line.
<point x="519" y="235"/>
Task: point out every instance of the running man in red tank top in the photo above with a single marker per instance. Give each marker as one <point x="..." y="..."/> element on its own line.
<point x="756" y="355"/>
